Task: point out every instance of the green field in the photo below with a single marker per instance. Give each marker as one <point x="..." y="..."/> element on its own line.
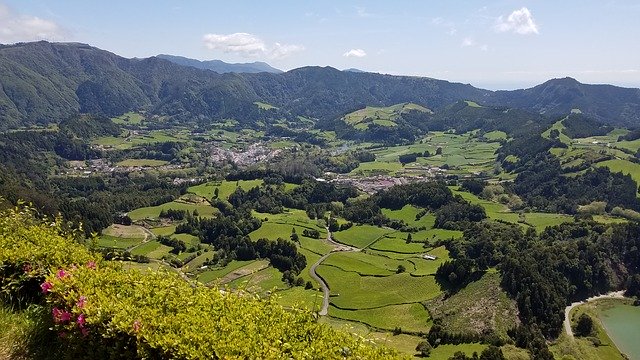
<point x="107" y="241"/>
<point x="376" y="167"/>
<point x="124" y="231"/>
<point x="130" y="118"/>
<point x="360" y="236"/>
<point x="560" y="127"/>
<point x="142" y="163"/>
<point x="624" y="166"/>
<point x="264" y="106"/>
<point x="352" y="291"/>
<point x="444" y="352"/>
<point x="366" y="264"/>
<point x="396" y="242"/>
<point x="152" y="249"/>
<point x="225" y="188"/>
<point x="298" y="297"/>
<point x="130" y="140"/>
<point x="165" y="230"/>
<point x="216" y="273"/>
<point x="384" y="116"/>
<point x="153" y="212"/>
<point x="408" y="317"/>
<point x="260" y="282"/>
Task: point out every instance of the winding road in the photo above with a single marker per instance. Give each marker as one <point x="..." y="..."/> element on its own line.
<point x="567" y="310"/>
<point x="323" y="284"/>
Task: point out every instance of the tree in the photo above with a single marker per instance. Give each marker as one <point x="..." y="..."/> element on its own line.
<point x="439" y="151"/>
<point x="216" y="193"/>
<point x="401" y="269"/>
<point x="409" y="238"/>
<point x="492" y="353"/>
<point x="584" y="326"/>
<point x="424" y="348"/>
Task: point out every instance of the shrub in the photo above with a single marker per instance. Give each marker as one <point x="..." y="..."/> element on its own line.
<point x="101" y="311"/>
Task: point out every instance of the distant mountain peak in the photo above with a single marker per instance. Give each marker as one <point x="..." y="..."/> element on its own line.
<point x="220" y="66"/>
<point x="354" y="70"/>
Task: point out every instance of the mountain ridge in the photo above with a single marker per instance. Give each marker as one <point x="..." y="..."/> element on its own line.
<point x="220" y="66"/>
<point x="43" y="82"/>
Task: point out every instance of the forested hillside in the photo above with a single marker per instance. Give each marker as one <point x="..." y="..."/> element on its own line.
<point x="43" y="82"/>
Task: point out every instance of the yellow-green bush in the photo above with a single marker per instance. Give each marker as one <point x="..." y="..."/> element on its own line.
<point x="102" y="311"/>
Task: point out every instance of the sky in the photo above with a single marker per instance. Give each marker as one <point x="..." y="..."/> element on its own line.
<point x="499" y="44"/>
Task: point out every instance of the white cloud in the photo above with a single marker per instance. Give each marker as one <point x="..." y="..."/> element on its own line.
<point x="519" y="21"/>
<point x="248" y="45"/>
<point x="448" y="25"/>
<point x="281" y="51"/>
<point x="467" y="42"/>
<point x="359" y="53"/>
<point x="362" y="12"/>
<point x="17" y="27"/>
<point x="470" y="42"/>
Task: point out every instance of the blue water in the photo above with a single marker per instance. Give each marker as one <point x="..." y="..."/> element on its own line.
<point x="622" y="323"/>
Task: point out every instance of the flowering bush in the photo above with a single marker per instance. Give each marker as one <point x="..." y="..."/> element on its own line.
<point x="102" y="311"/>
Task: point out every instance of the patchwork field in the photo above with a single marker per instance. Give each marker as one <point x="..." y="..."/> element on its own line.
<point x="352" y="291"/>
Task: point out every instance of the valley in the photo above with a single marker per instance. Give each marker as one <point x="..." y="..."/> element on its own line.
<point x="437" y="224"/>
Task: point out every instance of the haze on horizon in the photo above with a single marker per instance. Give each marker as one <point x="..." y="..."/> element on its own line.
<point x="503" y="45"/>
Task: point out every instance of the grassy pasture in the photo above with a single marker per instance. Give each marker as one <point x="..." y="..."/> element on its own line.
<point x="264" y="106"/>
<point x="225" y="188"/>
<point x="188" y="239"/>
<point x="129" y="140"/>
<point x="114" y="242"/>
<point x="265" y="280"/>
<point x="130" y="118"/>
<point x="408" y="317"/>
<point x="624" y="166"/>
<point x="396" y="242"/>
<point x="365" y="263"/>
<point x="408" y="214"/>
<point x="360" y="236"/>
<point x="384" y="116"/>
<point x="298" y="297"/>
<point x="428" y="267"/>
<point x="153" y="212"/>
<point x="444" y="352"/>
<point x="164" y="230"/>
<point x="376" y="167"/>
<point x="152" y="249"/>
<point x="216" y="273"/>
<point x="124" y="231"/>
<point x="352" y="291"/>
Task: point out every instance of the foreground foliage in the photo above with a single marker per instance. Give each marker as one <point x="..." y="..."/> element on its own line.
<point x="102" y="311"/>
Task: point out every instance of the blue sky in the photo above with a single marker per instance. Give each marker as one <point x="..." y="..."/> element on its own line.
<point x="498" y="45"/>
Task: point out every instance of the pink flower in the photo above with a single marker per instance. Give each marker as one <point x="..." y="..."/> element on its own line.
<point x="84" y="331"/>
<point x="61" y="274"/>
<point x="60" y="316"/>
<point x="136" y="325"/>
<point x="46" y="287"/>
<point x="62" y="334"/>
<point x="81" y="302"/>
<point x="80" y="321"/>
<point x="91" y="265"/>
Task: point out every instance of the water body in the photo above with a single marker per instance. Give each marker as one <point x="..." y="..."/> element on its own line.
<point x="622" y="323"/>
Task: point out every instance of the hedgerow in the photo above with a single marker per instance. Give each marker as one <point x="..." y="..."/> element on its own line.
<point x="102" y="311"/>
